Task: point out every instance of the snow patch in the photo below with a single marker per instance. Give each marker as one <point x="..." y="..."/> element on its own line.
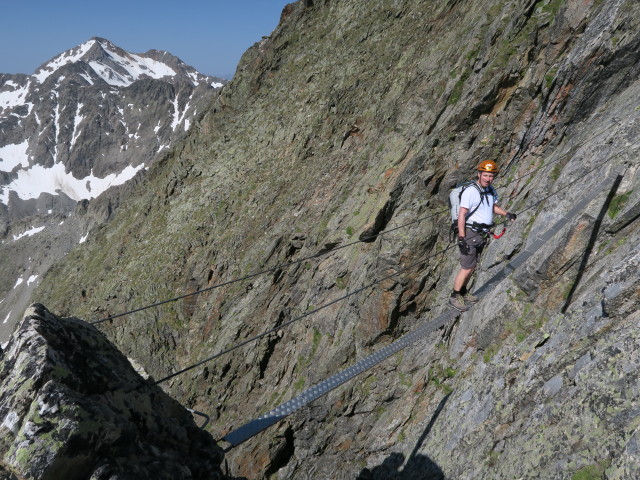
<point x="28" y="233"/>
<point x="135" y="65"/>
<point x="63" y="59"/>
<point x="83" y="239"/>
<point x="76" y="121"/>
<point x="87" y="78"/>
<point x="18" y="283"/>
<point x="55" y="180"/>
<point x="13" y="155"/>
<point x="138" y="66"/>
<point x="194" y="78"/>
<point x="15" y="97"/>
<point x="178" y="117"/>
<point x="56" y="121"/>
<point x="32" y="279"/>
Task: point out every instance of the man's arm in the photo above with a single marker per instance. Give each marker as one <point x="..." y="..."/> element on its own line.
<point x="498" y="210"/>
<point x="502" y="211"/>
<point x="462" y="218"/>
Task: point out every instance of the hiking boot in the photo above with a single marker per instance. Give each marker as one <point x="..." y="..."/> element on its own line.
<point x="468" y="298"/>
<point x="457" y="302"/>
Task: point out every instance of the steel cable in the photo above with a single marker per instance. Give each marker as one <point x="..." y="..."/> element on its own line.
<point x="322" y="253"/>
<point x="279" y="327"/>
<point x="304" y="315"/>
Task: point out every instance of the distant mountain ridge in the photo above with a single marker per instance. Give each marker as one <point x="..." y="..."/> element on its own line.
<point x="65" y="112"/>
<point x="87" y="120"/>
<point x="121" y="68"/>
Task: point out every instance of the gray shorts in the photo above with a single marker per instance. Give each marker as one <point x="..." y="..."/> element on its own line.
<point x="476" y="243"/>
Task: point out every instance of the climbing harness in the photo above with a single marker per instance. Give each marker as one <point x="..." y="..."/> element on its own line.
<point x="481" y="228"/>
<point x="454" y="202"/>
<point x="486" y="230"/>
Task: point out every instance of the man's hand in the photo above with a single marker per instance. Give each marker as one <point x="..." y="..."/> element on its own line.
<point x="511" y="216"/>
<point x="462" y="245"/>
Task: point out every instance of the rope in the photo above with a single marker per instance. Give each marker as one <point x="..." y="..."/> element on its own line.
<point x="323" y="252"/>
<point x="297" y="319"/>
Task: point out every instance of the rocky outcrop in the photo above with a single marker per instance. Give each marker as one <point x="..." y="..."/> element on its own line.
<point x="353" y="119"/>
<point x="73" y="407"/>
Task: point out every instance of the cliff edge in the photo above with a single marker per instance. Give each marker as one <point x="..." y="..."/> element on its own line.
<point x="73" y="407"/>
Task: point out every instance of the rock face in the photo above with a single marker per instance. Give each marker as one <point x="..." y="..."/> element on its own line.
<point x="73" y="407"/>
<point x="355" y="118"/>
<point x="86" y="121"/>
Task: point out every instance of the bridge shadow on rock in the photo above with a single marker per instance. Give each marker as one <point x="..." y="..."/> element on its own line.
<point x="417" y="467"/>
<point x="595" y="232"/>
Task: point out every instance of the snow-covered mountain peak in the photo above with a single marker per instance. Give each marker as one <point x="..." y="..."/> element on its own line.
<point x="81" y="123"/>
<point x="114" y="65"/>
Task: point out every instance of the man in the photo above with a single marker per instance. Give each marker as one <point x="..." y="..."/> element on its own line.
<point x="475" y="219"/>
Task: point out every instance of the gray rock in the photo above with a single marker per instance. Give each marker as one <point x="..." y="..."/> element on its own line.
<point x="580" y="364"/>
<point x="73" y="407"/>
<point x="553" y="385"/>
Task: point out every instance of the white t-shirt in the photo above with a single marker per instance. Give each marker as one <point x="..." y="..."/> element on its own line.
<point x="470" y="199"/>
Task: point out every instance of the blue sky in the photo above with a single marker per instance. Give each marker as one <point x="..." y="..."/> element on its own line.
<point x="209" y="35"/>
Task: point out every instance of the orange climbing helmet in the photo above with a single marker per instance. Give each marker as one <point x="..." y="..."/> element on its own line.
<point x="488" y="166"/>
